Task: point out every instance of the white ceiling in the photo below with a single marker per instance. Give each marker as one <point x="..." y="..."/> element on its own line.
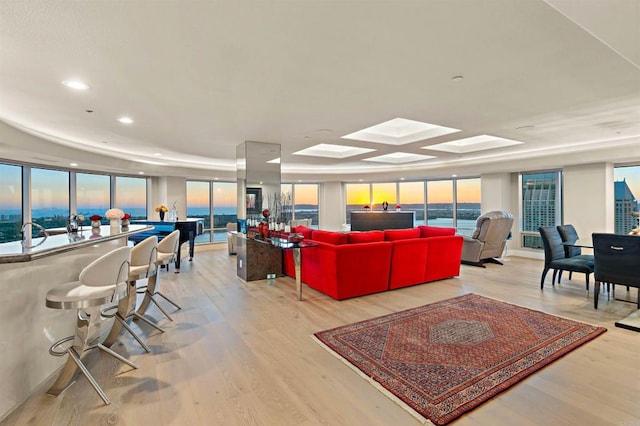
<point x="200" y="77"/>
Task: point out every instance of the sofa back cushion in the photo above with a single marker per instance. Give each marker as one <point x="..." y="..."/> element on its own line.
<point x="401" y="234"/>
<point x="356" y="237"/>
<point x="329" y="237"/>
<point x="435" y="231"/>
<point x="306" y="232"/>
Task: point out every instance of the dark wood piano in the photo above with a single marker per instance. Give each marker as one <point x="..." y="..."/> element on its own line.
<point x="188" y="228"/>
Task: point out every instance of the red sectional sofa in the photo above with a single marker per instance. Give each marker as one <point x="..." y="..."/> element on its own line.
<point x="345" y="265"/>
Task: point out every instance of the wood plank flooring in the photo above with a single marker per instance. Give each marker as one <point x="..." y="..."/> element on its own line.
<point x="241" y="354"/>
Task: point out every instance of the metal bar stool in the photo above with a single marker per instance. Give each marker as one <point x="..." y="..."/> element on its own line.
<point x="167" y="252"/>
<point x="102" y="281"/>
<point x="143" y="265"/>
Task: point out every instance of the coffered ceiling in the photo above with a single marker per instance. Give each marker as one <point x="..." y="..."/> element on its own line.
<point x="200" y="77"/>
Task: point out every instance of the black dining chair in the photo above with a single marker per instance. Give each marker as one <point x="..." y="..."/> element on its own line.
<point x="616" y="261"/>
<point x="569" y="237"/>
<point x="554" y="257"/>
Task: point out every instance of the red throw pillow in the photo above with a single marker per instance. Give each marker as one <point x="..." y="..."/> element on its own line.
<point x="401" y="234"/>
<point x="329" y="237"/>
<point x="356" y="237"/>
<point x="435" y="231"/>
<point x="306" y="232"/>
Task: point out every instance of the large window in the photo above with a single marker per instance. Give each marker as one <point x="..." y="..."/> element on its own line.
<point x="216" y="203"/>
<point x="93" y="195"/>
<point x="10" y="202"/>
<point x="383" y="192"/>
<point x="49" y="198"/>
<point x="627" y="191"/>
<point x="540" y="196"/>
<point x="225" y="208"/>
<point x="131" y="196"/>
<point x="305" y="202"/>
<point x="411" y="198"/>
<point x="199" y="205"/>
<point x="358" y="196"/>
<point x="467" y="205"/>
<point x="440" y="203"/>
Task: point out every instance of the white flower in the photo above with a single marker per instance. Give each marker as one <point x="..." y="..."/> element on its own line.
<point x="114" y="214"/>
<point x="80" y="218"/>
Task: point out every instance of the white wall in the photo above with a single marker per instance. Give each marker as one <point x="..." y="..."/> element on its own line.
<point x="168" y="190"/>
<point x="332" y="212"/>
<point x="589" y="198"/>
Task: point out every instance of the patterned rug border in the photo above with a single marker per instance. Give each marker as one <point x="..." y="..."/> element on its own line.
<point x="419" y="417"/>
<point x="501" y="388"/>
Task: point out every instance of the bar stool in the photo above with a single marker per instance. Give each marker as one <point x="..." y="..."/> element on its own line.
<point x="143" y="265"/>
<point x="167" y="252"/>
<point x="102" y="281"/>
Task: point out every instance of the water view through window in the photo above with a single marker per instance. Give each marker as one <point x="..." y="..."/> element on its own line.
<point x="49" y="198"/>
<point x="10" y="202"/>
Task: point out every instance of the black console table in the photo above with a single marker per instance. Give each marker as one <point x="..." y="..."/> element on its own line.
<point x="369" y="221"/>
<point x="188" y="230"/>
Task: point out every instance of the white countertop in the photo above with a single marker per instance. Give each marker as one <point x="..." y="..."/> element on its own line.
<point x="14" y="251"/>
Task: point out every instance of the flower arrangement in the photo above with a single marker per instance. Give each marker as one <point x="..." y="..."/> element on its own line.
<point x="126" y="216"/>
<point x="366" y="207"/>
<point x="398" y="207"/>
<point x="162" y="208"/>
<point x="114" y="214"/>
<point x="266" y="213"/>
<point x="95" y="217"/>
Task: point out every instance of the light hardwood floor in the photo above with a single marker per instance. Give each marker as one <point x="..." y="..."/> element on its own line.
<point x="241" y="354"/>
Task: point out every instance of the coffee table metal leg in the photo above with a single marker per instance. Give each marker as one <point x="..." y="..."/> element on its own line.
<point x="296" y="262"/>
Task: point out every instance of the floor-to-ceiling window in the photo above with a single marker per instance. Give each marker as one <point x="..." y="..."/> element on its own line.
<point x="411" y="198"/>
<point x="467" y="205"/>
<point x="93" y="195"/>
<point x="305" y="202"/>
<point x="627" y="191"/>
<point x="10" y="202"/>
<point x="540" y="200"/>
<point x="225" y="208"/>
<point x="49" y="198"/>
<point x="216" y="203"/>
<point x="199" y="205"/>
<point x="440" y="203"/>
<point x="131" y="196"/>
<point x="358" y="196"/>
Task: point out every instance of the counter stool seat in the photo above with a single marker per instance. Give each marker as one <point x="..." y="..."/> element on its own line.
<point x="143" y="265"/>
<point x="167" y="252"/>
<point x="103" y="281"/>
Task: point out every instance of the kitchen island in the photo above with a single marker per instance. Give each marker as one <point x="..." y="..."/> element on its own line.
<point x="27" y="326"/>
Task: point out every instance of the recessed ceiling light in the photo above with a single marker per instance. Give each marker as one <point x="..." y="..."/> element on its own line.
<point x="89" y="111"/>
<point x="299" y="180"/>
<point x="215" y="178"/>
<point x="454" y="175"/>
<point x="125" y="120"/>
<point x="401" y="178"/>
<point x="76" y="84"/>
<point x="105" y="142"/>
<point x="260" y="182"/>
<point x="360" y="180"/>
<point x="333" y="151"/>
<point x="73" y="164"/>
<point x="140" y="173"/>
<point x="472" y="144"/>
<point x="399" y="158"/>
<point x="400" y="131"/>
<point x="457" y="78"/>
<point x="157" y="154"/>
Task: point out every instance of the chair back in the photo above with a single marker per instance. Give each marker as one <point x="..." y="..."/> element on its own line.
<point x="552" y="242"/>
<point x="617" y="259"/>
<point x="169" y="244"/>
<point x="493" y="228"/>
<point x="145" y="252"/>
<point x="109" y="269"/>
<point x="569" y="235"/>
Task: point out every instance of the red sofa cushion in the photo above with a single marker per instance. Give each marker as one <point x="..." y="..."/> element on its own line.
<point x="329" y="237"/>
<point x="306" y="232"/>
<point x="435" y="231"/>
<point x="443" y="257"/>
<point x="408" y="262"/>
<point x="365" y="237"/>
<point x="401" y="234"/>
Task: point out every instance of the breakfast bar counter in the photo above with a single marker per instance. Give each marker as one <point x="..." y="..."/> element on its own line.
<point x="27" y="326"/>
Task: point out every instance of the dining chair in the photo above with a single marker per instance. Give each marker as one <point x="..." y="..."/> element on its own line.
<point x="554" y="257"/>
<point x="616" y="261"/>
<point x="569" y="237"/>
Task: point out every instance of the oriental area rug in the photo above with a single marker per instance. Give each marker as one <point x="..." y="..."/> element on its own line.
<point x="446" y="358"/>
